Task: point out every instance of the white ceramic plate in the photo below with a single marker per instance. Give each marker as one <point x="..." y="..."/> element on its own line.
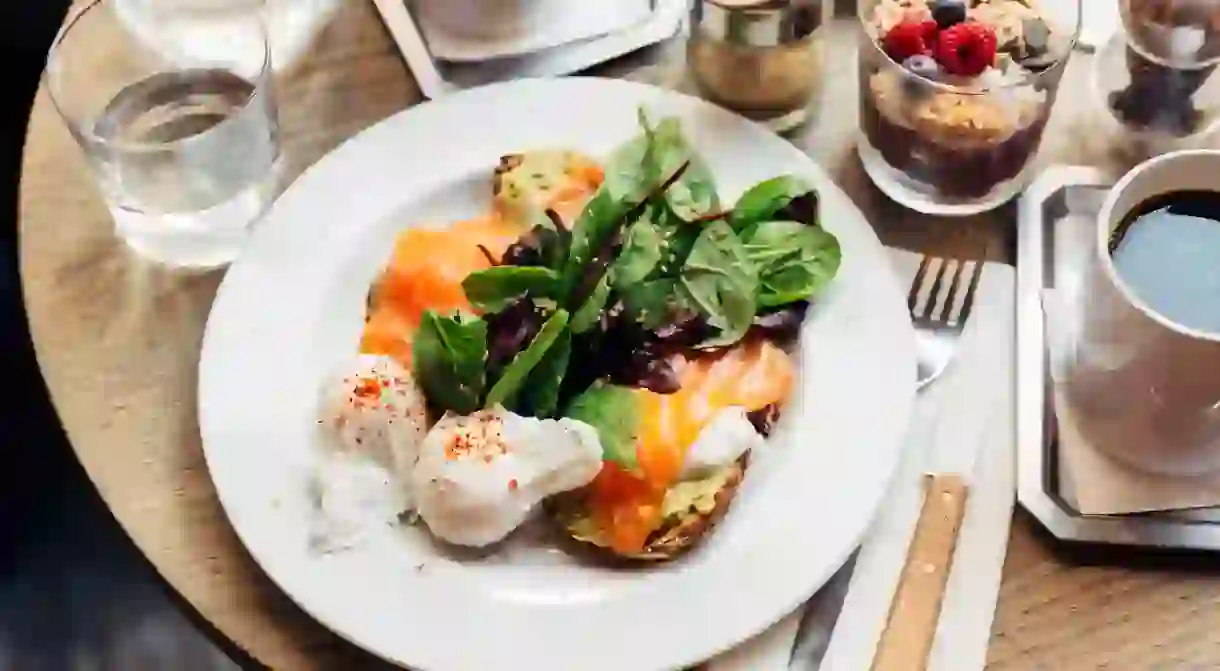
<point x="292" y="306"/>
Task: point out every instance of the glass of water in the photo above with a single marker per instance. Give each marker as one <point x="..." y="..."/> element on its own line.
<point x="173" y="106"/>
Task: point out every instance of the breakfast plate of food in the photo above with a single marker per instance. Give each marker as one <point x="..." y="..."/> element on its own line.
<point x="577" y="373"/>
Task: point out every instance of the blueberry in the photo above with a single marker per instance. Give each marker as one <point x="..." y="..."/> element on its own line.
<point x="948" y="12"/>
<point x="925" y="69"/>
<point x="924" y="66"/>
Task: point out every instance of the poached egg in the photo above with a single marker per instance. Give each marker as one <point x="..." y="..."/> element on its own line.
<point x="723" y="441"/>
<point x="373" y="419"/>
<point x="481" y="476"/>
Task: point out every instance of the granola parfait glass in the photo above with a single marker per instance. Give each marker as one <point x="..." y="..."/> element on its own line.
<point x="955" y="96"/>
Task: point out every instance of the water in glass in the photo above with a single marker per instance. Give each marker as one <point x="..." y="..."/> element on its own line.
<point x="185" y="147"/>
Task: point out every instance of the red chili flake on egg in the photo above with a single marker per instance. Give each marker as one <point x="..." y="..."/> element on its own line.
<point x="367" y="388"/>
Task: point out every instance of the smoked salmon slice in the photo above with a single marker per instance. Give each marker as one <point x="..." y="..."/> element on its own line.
<point x="425" y="272"/>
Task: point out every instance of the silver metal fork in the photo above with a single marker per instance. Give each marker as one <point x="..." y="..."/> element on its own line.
<point x="939" y="324"/>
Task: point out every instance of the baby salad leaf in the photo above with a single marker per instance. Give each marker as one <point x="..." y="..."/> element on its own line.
<point x="641" y="253"/>
<point x="589" y="312"/>
<point x="652" y="302"/>
<point x="493" y="289"/>
<point x="794" y="261"/>
<point x="539" y="396"/>
<point x="679" y="239"/>
<point x="540" y="246"/>
<point x="694" y="194"/>
<point x="721" y="283"/>
<point x="613" y="202"/>
<point x="449" y="353"/>
<point x="626" y="175"/>
<point x="633" y="176"/>
<point x="505" y="390"/>
<point x="767" y="199"/>
<point x="613" y="412"/>
<point x="509" y="331"/>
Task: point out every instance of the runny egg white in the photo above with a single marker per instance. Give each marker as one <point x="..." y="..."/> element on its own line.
<point x="373" y="420"/>
<point x="723" y="441"/>
<point x="479" y="477"/>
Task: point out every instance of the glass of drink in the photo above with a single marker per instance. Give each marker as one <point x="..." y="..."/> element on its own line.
<point x="181" y="133"/>
<point x="1155" y="76"/>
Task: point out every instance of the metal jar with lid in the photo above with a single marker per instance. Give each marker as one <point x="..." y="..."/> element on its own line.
<point x="760" y="58"/>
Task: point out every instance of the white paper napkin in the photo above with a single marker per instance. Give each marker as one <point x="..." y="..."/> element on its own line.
<point x="979" y="386"/>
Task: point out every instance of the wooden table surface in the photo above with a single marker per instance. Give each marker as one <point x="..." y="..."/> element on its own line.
<point x="118" y="343"/>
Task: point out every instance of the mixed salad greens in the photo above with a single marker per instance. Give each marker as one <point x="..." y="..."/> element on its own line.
<point x="654" y="266"/>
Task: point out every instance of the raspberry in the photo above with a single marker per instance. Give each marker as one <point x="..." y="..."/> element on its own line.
<point x="909" y="38"/>
<point x="966" y="49"/>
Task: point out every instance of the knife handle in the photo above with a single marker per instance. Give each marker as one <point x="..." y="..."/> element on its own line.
<point x="910" y="627"/>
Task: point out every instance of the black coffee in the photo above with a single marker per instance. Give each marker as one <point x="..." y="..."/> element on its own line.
<point x="1167" y="251"/>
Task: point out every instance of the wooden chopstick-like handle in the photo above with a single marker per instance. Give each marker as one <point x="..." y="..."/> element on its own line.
<point x="910" y="628"/>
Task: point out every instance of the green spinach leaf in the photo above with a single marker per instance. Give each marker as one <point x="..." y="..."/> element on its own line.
<point x="539" y="397"/>
<point x="505" y="390"/>
<point x="627" y="183"/>
<point x="449" y="355"/>
<point x="493" y="289"/>
<point x="720" y="281"/>
<point x="679" y="237"/>
<point x="693" y="195"/>
<point x="614" y="413"/>
<point x="652" y="303"/>
<point x="794" y="261"/>
<point x="768" y="199"/>
<point x="642" y="251"/>
<point x="589" y="312"/>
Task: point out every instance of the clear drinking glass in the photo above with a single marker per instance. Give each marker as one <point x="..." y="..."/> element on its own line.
<point x="953" y="111"/>
<point x="1180" y="33"/>
<point x="172" y="104"/>
<point x="1155" y="77"/>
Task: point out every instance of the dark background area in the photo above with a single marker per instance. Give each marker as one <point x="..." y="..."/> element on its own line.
<point x="29" y="430"/>
<point x="74" y="591"/>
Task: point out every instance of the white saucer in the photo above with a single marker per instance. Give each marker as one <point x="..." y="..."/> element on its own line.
<point x="581" y="21"/>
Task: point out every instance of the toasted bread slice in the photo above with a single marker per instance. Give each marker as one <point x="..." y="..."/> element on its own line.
<point x="528" y="183"/>
<point x="693" y="509"/>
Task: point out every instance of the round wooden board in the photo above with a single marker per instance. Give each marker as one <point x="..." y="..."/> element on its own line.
<point x="118" y="343"/>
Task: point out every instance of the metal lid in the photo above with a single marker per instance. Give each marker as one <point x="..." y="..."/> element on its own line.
<point x="756" y="23"/>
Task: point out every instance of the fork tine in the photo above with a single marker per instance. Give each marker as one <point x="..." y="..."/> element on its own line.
<point x="940" y="278"/>
<point x="917" y="284"/>
<point x="968" y="304"/>
<point x="954" y="285"/>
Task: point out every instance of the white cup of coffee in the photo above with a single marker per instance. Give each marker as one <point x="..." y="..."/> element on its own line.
<point x="490" y="19"/>
<point x="1142" y="373"/>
